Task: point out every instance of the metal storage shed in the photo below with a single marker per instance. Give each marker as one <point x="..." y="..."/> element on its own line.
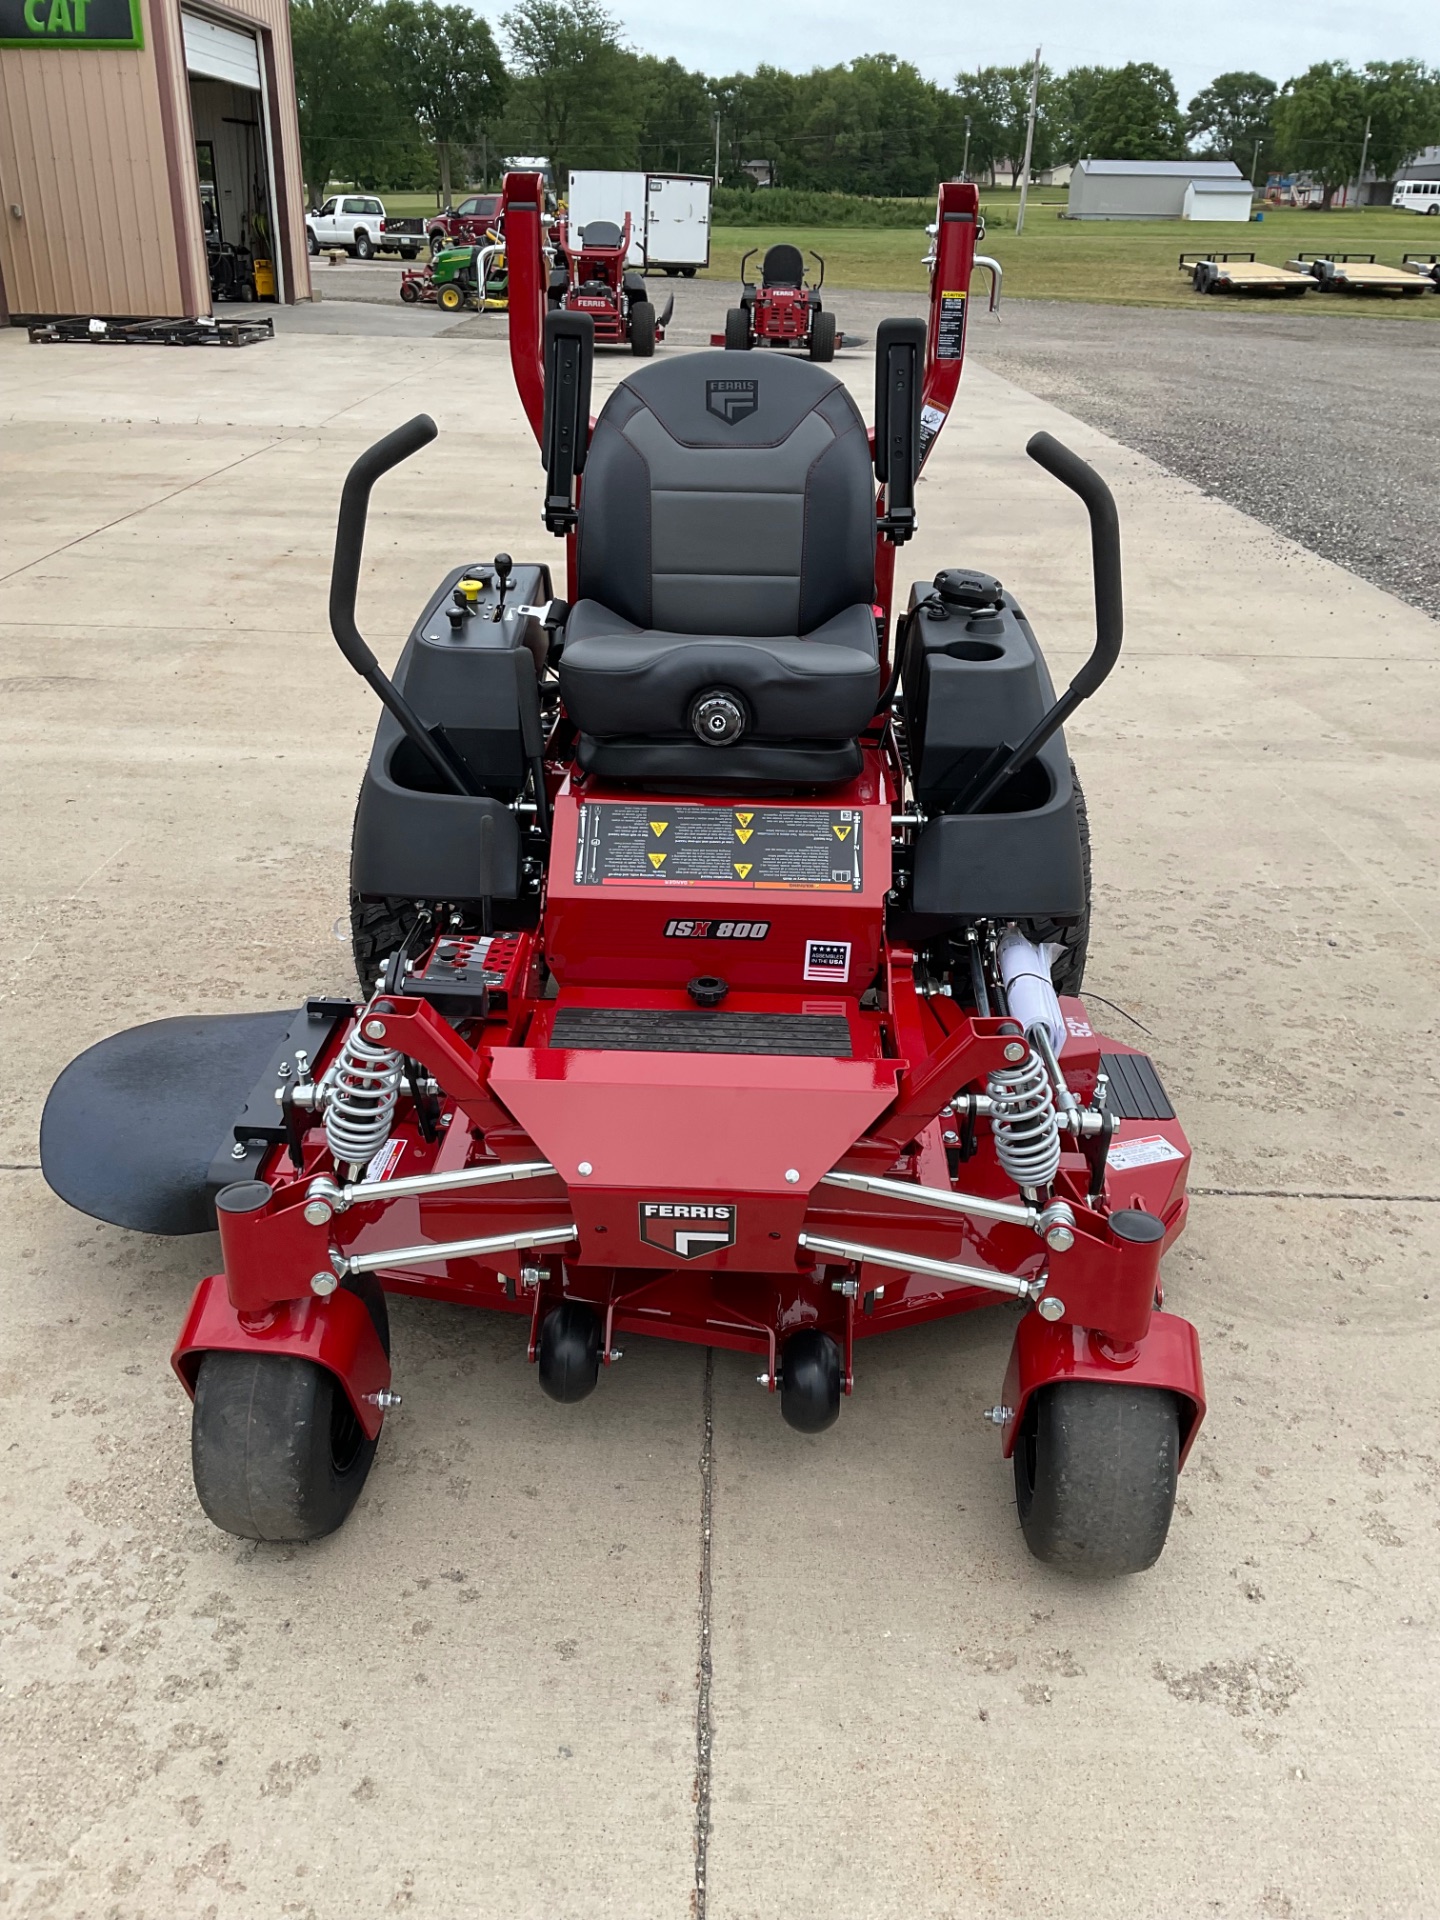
<point x="1144" y="189"/>
<point x="1217" y="200"/>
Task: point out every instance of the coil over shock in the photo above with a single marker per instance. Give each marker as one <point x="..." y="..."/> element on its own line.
<point x="1025" y="1124"/>
<point x="363" y="1090"/>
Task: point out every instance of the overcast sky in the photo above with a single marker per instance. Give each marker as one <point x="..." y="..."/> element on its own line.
<point x="940" y="37"/>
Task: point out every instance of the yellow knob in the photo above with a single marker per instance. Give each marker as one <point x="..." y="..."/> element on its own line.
<point x="472" y="589"/>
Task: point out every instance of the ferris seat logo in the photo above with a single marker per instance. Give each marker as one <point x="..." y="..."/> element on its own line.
<point x="687" y="1228"/>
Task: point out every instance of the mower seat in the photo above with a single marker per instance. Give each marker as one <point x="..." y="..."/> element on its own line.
<point x="723" y="631"/>
<point x="600" y="233"/>
<point x="783" y="267"/>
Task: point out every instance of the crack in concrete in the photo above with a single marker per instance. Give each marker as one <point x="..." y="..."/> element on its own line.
<point x="704" y="1721"/>
<point x="1291" y="1193"/>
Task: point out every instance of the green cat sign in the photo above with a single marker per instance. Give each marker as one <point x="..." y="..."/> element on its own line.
<point x="70" y="23"/>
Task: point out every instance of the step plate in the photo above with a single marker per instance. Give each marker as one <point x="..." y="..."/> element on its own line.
<point x="656" y="1030"/>
<point x="1135" y="1089"/>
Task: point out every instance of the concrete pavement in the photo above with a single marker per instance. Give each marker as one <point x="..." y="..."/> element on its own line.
<point x="480" y="1698"/>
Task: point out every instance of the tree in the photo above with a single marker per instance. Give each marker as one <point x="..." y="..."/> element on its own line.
<point x="446" y="69"/>
<point x="1320" y="124"/>
<point x="1229" y="116"/>
<point x="1402" y="100"/>
<point x="347" y="111"/>
<point x="578" y="87"/>
<point x="1132" y="113"/>
<point x="676" y="125"/>
<point x="997" y="100"/>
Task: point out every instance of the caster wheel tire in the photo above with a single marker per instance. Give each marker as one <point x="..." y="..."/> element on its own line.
<point x="737" y="331"/>
<point x="275" y="1446"/>
<point x="1095" y="1470"/>
<point x="810" y="1381"/>
<point x="822" y="336"/>
<point x="409" y="293"/>
<point x="568" y="1354"/>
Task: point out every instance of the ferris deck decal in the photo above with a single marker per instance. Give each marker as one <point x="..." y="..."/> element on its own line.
<point x="1148" y="1151"/>
<point x="810" y="848"/>
<point x="687" y="1228"/>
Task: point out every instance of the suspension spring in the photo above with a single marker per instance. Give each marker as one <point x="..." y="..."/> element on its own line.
<point x="360" y="1108"/>
<point x="1022" y="1115"/>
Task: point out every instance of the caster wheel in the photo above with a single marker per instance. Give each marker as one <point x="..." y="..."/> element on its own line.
<point x="810" y="1381"/>
<point x="1095" y="1469"/>
<point x="276" y="1449"/>
<point x="568" y="1356"/>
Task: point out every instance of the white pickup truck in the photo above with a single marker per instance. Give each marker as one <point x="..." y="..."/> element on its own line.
<point x="356" y="222"/>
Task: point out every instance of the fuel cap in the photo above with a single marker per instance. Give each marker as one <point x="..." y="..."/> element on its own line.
<point x="707" y="989"/>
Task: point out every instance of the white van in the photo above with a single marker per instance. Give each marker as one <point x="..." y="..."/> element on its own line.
<point x="1417" y="196"/>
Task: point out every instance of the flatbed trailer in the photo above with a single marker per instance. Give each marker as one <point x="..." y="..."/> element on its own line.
<point x="1427" y="265"/>
<point x="1243" y="273"/>
<point x="1357" y="273"/>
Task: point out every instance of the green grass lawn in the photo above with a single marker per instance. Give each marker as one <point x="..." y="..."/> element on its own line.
<point x="1116" y="262"/>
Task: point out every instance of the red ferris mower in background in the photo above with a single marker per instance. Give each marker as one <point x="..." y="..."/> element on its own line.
<point x="590" y="277"/>
<point x="783" y="311"/>
<point x="720" y="929"/>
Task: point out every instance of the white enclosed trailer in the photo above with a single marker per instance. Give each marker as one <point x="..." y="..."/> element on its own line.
<point x="669" y="214"/>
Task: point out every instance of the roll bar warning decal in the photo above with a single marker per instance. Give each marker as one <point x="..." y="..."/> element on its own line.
<point x="809" y="848"/>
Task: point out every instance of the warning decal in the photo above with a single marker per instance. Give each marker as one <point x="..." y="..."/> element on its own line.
<point x="1148" y="1151"/>
<point x="813" y="848"/>
<point x="950" y="334"/>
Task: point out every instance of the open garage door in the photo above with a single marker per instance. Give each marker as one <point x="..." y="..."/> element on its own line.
<point x="234" y="160"/>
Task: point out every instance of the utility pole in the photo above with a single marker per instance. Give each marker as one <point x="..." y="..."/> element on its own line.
<point x="1364" y="156"/>
<point x="1255" y="168"/>
<point x="1029" y="143"/>
<point x="717" y="151"/>
<point x="965" y="163"/>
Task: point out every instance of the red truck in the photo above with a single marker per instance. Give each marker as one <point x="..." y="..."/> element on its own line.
<point x="468" y="224"/>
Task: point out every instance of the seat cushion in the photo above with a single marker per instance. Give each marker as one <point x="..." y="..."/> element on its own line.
<point x="623" y="681"/>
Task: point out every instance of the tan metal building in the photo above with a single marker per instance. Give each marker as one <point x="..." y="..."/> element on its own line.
<point x="143" y="145"/>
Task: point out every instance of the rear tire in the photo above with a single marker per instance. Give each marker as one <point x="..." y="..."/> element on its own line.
<point x="276" y="1449"/>
<point x="822" y="336"/>
<point x="364" y="248"/>
<point x="377" y="929"/>
<point x="738" y="337"/>
<point x="642" y="329"/>
<point x="1095" y="1470"/>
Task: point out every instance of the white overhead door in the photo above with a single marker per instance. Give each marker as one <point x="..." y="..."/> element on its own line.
<point x="221" y="53"/>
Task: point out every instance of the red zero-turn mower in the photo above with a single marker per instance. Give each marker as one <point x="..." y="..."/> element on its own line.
<point x="719" y="942"/>
<point x="590" y="277"/>
<point x="782" y="311"/>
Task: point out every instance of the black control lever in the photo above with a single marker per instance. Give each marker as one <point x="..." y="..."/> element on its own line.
<point x="504" y="567"/>
<point x="1077" y="474"/>
<point x="345" y="582"/>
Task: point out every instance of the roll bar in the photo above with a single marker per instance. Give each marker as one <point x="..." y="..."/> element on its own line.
<point x="345" y="582"/>
<point x="1081" y="478"/>
<point x="899" y="376"/>
<point x="569" y="347"/>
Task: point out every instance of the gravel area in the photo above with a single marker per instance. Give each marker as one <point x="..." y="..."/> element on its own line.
<point x="1322" y="428"/>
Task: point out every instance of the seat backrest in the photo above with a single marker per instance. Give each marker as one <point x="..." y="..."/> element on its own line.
<point x="783" y="267"/>
<point x="600" y="233"/>
<point x="728" y="494"/>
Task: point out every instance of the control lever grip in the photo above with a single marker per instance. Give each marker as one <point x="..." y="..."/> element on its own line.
<point x="1081" y="478"/>
<point x="350" y="533"/>
<point x="345" y="582"/>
